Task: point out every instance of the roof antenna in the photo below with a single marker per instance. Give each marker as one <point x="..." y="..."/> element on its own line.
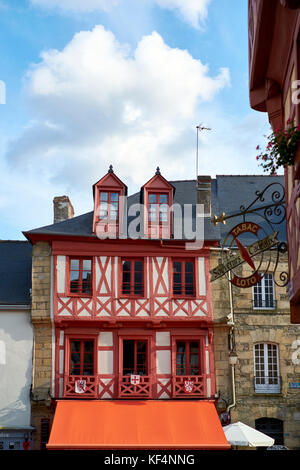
<point x="199" y="128"/>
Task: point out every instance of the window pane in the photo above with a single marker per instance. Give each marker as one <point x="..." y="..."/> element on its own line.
<point x="75" y="346"/>
<point x="114" y="197"/>
<point x="87" y="264"/>
<point x="152" y="198"/>
<point x="103" y="214"/>
<point x="163" y="198"/>
<point x="181" y="359"/>
<point x="128" y="357"/>
<point x="74" y="284"/>
<point x="104" y="196"/>
<point x="194" y="347"/>
<point x="163" y="213"/>
<point x="141" y="346"/>
<point x="75" y="264"/>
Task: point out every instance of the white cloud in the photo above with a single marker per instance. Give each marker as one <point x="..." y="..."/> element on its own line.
<point x="97" y="102"/>
<point x="193" y="12"/>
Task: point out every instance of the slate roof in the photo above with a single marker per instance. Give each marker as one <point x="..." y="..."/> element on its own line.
<point x="228" y="194"/>
<point x="15" y="272"/>
<point x="232" y="191"/>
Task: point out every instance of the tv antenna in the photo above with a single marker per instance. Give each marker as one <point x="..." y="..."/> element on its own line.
<point x="199" y="128"/>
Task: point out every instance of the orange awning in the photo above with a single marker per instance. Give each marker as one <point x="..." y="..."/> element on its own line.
<point x="148" y="424"/>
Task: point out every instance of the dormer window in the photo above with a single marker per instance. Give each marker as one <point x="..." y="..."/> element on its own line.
<point x="108" y="205"/>
<point x="158" y="208"/>
<point x="157" y="196"/>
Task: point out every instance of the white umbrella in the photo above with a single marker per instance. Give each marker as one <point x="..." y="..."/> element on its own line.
<point x="239" y="434"/>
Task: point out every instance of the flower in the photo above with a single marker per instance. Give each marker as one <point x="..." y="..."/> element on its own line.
<point x="281" y="148"/>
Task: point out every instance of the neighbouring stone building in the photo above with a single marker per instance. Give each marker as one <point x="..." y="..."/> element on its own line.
<point x="267" y="372"/>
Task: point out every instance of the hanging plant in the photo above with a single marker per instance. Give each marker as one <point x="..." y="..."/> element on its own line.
<point x="281" y="148"/>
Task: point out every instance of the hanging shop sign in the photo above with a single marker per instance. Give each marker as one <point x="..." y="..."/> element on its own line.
<point x="237" y="253"/>
<point x="255" y="244"/>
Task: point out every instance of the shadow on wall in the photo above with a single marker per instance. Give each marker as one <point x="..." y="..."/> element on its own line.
<point x="18" y="412"/>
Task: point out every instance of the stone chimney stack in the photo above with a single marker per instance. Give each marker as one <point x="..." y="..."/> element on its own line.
<point x="204" y="193"/>
<point x="63" y="209"/>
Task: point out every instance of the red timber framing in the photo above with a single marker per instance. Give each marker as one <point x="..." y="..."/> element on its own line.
<point x="107" y="302"/>
<point x="159" y="379"/>
<point x="108" y="318"/>
<point x="111" y="186"/>
<point x="157" y="197"/>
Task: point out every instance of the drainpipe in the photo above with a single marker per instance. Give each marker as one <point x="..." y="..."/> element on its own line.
<point x="232" y="354"/>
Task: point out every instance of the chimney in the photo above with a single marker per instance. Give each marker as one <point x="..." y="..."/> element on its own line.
<point x="204" y="193"/>
<point x="63" y="209"/>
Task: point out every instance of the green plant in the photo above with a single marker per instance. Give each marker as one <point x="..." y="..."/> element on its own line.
<point x="281" y="148"/>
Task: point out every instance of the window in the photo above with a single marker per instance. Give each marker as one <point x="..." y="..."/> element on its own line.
<point x="267" y="378"/>
<point x="187" y="358"/>
<point x="82" y="357"/>
<point x="109" y="206"/>
<point x="81" y="276"/>
<point x="183" y="278"/>
<point x="132" y="277"/>
<point x="263" y="293"/>
<point x="158" y="208"/>
<point x="135" y="357"/>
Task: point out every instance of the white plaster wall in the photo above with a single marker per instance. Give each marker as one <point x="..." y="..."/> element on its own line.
<point x="163" y="338"/>
<point x="106" y="362"/>
<point x="16" y="339"/>
<point x="163" y="362"/>
<point x="202" y="280"/>
<point x="61" y="274"/>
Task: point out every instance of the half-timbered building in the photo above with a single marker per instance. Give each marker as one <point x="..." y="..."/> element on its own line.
<point x="130" y="310"/>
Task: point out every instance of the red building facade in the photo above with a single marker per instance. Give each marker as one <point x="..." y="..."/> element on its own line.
<point x="274" y="73"/>
<point x="132" y="317"/>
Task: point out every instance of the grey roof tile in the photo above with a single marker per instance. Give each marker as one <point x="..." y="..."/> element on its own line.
<point x="15" y="272"/>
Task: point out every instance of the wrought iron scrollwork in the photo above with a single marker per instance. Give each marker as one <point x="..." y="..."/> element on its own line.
<point x="272" y="212"/>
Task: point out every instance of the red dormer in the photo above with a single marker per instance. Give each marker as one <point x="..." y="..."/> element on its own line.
<point x="108" y="206"/>
<point x="157" y="196"/>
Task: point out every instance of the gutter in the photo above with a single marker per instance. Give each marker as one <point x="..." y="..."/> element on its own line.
<point x="15" y="307"/>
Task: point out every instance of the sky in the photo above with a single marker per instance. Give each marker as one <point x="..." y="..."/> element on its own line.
<point x="122" y="82"/>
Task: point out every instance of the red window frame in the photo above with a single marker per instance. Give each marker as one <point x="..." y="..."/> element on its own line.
<point x="158" y="205"/>
<point x="80" y="271"/>
<point x="132" y="284"/>
<point x="108" y="206"/>
<point x="82" y="352"/>
<point x="188" y="354"/>
<point x="136" y="354"/>
<point x="183" y="285"/>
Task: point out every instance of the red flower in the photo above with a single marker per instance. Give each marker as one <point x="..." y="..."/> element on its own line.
<point x="257" y="148"/>
<point x="257" y="158"/>
<point x="288" y="121"/>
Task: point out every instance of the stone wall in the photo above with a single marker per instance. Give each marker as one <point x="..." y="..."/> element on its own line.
<point x="42" y="326"/>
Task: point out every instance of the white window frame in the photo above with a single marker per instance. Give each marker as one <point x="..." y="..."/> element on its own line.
<point x="270" y="383"/>
<point x="262" y="284"/>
